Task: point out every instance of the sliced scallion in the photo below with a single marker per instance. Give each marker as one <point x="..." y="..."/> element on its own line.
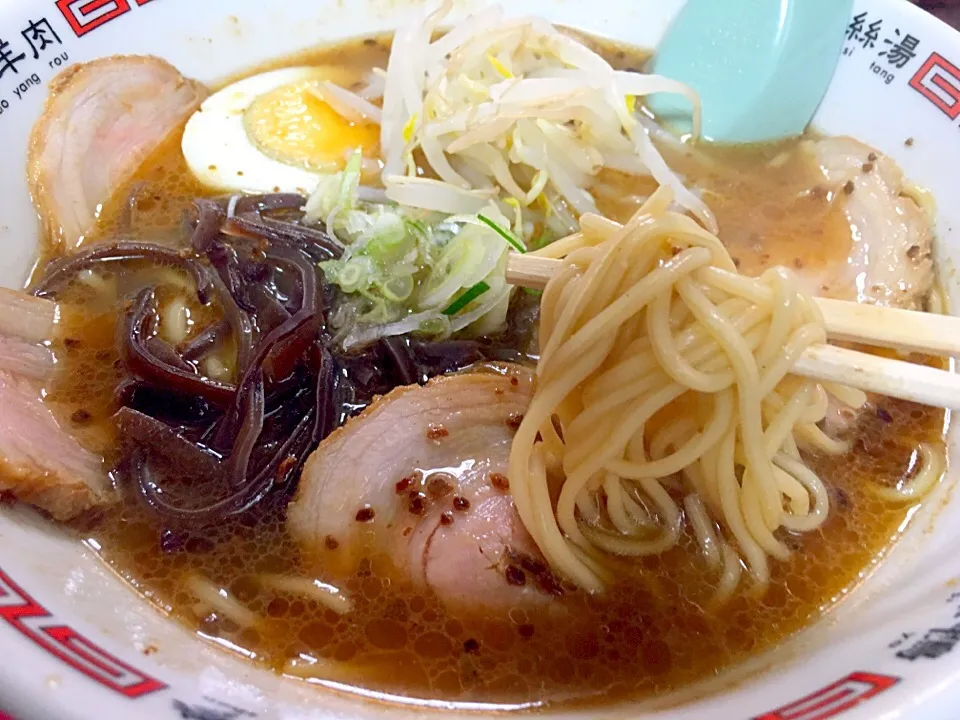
<point x="468" y="297"/>
<point x="505" y="234"/>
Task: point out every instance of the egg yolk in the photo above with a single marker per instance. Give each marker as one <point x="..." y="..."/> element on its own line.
<point x="294" y="126"/>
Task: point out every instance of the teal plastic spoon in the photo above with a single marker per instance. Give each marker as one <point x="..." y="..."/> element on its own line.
<point x="761" y="67"/>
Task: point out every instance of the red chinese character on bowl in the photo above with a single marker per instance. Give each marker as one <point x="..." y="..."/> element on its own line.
<point x="938" y="80"/>
<point x="834" y="699"/>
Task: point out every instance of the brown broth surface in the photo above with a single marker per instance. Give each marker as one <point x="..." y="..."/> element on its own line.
<point x="653" y="632"/>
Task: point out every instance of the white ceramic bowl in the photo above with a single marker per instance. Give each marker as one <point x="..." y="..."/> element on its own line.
<point x="76" y="643"/>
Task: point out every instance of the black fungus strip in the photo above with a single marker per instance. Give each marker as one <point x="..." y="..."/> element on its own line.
<point x="167" y="354"/>
<point x="252" y="226"/>
<point x="239" y="321"/>
<point x="252" y="411"/>
<point x="138" y="328"/>
<point x="444" y="356"/>
<point x="270" y="202"/>
<point x="209" y="219"/>
<point x="152" y="491"/>
<point x="155" y="435"/>
<point x="204" y="341"/>
<point x="292" y="337"/>
<point x="61" y="271"/>
<point x="319" y="422"/>
<point x="398" y="348"/>
<point x="226" y="262"/>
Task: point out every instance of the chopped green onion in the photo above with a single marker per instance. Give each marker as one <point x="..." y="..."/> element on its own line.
<point x="331" y="269"/>
<point x="435" y="325"/>
<point x="508" y="236"/>
<point x="352" y="276"/>
<point x="398" y="289"/>
<point x="468" y="297"/>
<point x="389" y="230"/>
<point x="532" y="291"/>
<point x="418" y="226"/>
<point x="350" y="181"/>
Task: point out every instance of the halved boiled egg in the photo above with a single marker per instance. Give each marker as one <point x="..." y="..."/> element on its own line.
<point x="273" y="133"/>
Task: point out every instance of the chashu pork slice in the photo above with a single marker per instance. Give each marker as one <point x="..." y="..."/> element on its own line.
<point x="101" y="121"/>
<point x="891" y="253"/>
<point x="890" y="262"/>
<point x="421" y="476"/>
<point x="40" y="462"/>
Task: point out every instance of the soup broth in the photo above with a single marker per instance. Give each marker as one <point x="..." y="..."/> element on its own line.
<point x="654" y="631"/>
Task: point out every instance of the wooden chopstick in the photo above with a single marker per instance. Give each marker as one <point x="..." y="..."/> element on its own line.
<point x="895" y="378"/>
<point x="906" y="330"/>
<point x="529" y="271"/>
<point x="891" y="328"/>
<point x="846" y="321"/>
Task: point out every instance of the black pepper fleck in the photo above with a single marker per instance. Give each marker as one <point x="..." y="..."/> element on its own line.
<point x="71" y="343"/>
<point x="843" y="499"/>
<point x="913" y="252"/>
<point x="849" y="187"/>
<point x="331" y="542"/>
<point x="418" y="504"/>
<point x="515" y="576"/>
<point x="526" y="630"/>
<point x="461" y="503"/>
<point x="872" y="157"/>
<point x="435" y="432"/>
<point x="884" y="415"/>
<point x="531" y="564"/>
<point x="365" y="514"/>
<point x="867" y="167"/>
<point x="908" y="142"/>
<point x="446" y="518"/>
<point x="471" y="646"/>
<point x="500" y="481"/>
<point x="80" y="417"/>
<point x="514" y="421"/>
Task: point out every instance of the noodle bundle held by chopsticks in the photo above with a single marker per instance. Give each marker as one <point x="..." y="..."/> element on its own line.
<point x="663" y="397"/>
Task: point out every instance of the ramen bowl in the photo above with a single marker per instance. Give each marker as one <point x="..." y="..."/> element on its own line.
<point x="77" y="643"/>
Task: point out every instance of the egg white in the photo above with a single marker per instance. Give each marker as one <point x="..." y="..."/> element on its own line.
<point x="219" y="152"/>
